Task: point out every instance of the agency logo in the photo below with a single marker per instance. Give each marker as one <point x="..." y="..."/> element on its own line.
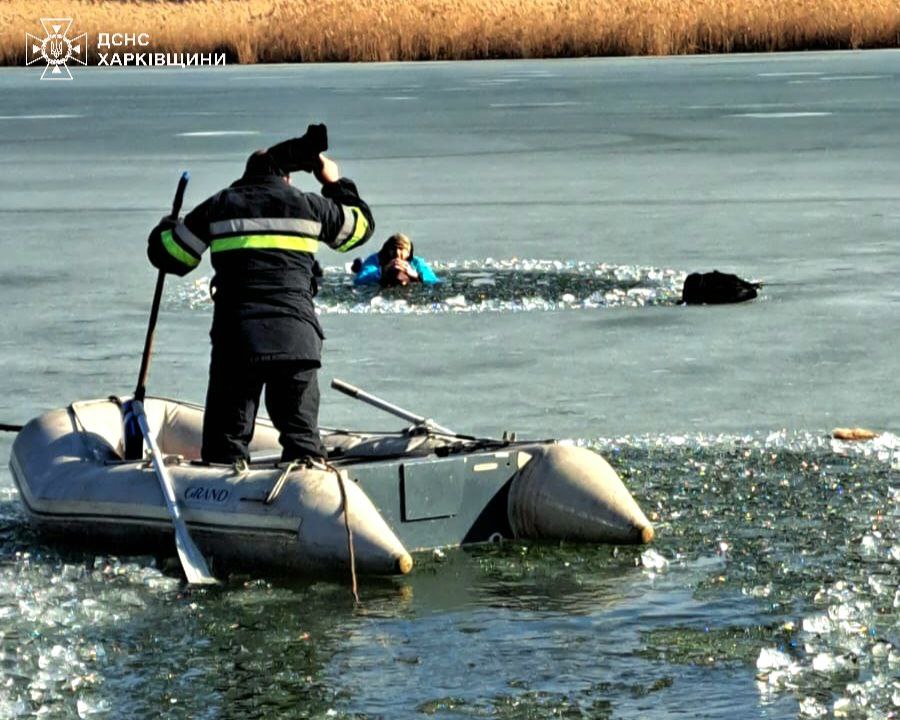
<point x="56" y="48"/>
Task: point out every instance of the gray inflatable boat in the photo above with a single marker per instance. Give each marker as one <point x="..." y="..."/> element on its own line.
<point x="396" y="492"/>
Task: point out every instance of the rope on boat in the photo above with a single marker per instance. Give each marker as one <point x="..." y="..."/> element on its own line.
<point x="4" y="427"/>
<point x="279" y="484"/>
<point x="353" y="586"/>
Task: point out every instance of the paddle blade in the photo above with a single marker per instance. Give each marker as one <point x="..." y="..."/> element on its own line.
<point x="192" y="560"/>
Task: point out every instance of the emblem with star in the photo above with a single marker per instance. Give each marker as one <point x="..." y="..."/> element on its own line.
<point x="56" y="48"/>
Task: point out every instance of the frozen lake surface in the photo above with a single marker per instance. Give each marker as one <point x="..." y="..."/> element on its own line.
<point x="563" y="202"/>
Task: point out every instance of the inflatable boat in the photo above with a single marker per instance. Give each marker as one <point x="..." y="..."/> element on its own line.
<point x="391" y="494"/>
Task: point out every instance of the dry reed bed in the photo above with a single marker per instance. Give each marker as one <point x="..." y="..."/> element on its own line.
<point x="372" y="30"/>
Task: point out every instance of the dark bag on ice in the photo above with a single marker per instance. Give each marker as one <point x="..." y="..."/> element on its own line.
<point x="716" y="288"/>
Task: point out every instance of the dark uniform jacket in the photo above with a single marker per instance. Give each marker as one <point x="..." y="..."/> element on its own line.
<point x="263" y="234"/>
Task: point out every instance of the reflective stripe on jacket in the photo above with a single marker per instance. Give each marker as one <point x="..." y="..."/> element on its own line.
<point x="262" y="234"/>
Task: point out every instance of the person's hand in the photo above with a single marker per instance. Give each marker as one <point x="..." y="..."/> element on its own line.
<point x="404" y="267"/>
<point x="328" y="171"/>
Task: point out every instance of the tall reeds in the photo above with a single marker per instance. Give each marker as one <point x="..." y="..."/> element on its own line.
<point x="253" y="31"/>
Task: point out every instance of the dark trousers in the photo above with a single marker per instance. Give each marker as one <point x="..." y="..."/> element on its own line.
<point x="232" y="401"/>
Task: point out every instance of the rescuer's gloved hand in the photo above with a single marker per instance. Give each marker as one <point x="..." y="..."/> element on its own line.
<point x="302" y="153"/>
<point x="317" y="136"/>
<point x="161" y="251"/>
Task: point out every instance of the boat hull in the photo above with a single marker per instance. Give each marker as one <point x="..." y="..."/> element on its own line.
<point x="396" y="493"/>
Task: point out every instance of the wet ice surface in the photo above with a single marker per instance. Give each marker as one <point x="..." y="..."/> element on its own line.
<point x="487" y="286"/>
<point x="811" y="533"/>
<point x="772" y="588"/>
<point x="773" y="584"/>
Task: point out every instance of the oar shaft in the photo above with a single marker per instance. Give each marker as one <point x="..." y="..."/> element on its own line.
<point x="141" y="387"/>
<point x="377" y="402"/>
<point x="192" y="559"/>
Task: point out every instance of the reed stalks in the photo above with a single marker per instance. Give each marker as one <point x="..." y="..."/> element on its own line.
<point x="260" y="31"/>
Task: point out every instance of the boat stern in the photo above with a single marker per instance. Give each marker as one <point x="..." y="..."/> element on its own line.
<point x="571" y="493"/>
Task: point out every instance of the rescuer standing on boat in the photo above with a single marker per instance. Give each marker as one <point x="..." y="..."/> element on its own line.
<point x="262" y="234"/>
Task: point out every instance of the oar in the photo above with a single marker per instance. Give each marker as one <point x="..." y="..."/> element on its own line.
<point x="192" y="559"/>
<point x="141" y="388"/>
<point x="377" y="402"/>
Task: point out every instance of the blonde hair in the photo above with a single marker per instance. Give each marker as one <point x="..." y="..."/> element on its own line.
<point x="400" y="239"/>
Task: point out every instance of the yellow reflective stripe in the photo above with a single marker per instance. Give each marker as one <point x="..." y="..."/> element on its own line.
<point x="176" y="251"/>
<point x="265" y="242"/>
<point x="359" y="232"/>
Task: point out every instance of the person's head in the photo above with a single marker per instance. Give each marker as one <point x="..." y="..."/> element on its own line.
<point x="262" y="164"/>
<point x="397" y="245"/>
<point x="294" y="155"/>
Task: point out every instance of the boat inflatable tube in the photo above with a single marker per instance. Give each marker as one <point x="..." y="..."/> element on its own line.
<point x="403" y="490"/>
<point x="571" y="493"/>
<point x="74" y="484"/>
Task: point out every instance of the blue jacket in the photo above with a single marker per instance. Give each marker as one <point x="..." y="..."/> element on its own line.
<point x="370" y="272"/>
